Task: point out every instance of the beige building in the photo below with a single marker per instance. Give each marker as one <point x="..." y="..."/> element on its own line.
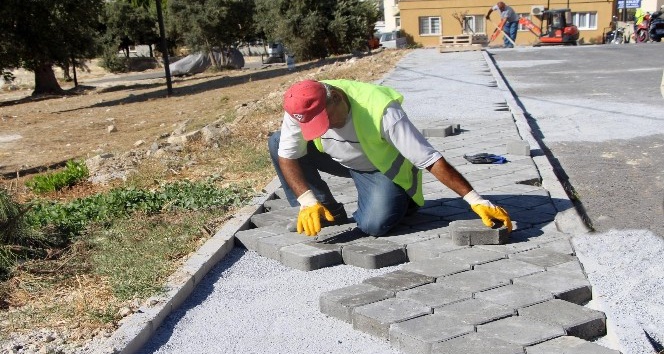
<point x="427" y="20"/>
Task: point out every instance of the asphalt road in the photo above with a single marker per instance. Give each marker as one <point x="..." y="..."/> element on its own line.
<point x="600" y="113"/>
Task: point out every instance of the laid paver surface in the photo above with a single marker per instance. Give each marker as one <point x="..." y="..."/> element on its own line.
<point x="494" y="295"/>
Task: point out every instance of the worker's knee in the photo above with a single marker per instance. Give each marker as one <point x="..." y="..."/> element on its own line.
<point x="374" y="227"/>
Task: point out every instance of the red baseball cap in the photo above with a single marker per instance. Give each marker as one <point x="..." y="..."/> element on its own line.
<point x="305" y="101"/>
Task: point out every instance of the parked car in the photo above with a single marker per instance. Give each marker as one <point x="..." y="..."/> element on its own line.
<point x="391" y="40"/>
<point x="275" y="53"/>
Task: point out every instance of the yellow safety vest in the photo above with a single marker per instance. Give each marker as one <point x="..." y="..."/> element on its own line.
<point x="368" y="103"/>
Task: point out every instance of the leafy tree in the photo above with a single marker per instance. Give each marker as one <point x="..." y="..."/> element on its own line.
<point x="128" y="25"/>
<point x="206" y="24"/>
<point x="37" y="34"/>
<point x="312" y="29"/>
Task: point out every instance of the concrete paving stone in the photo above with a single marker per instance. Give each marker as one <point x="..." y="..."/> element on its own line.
<point x="527" y="176"/>
<point x="435" y="295"/>
<point x="474" y="281"/>
<point x="436" y="267"/>
<point x="563" y="285"/>
<point x="340" y="303"/>
<point x="341" y="235"/>
<point x="269" y="219"/>
<point x="486" y="185"/>
<point x="443" y="211"/>
<point x="514" y="296"/>
<point x="249" y="238"/>
<point x="515" y="189"/>
<point x="270" y="246"/>
<point x="429" y="249"/>
<point x="537" y="235"/>
<point x="476" y="343"/>
<point x="517" y="147"/>
<point x="485" y="174"/>
<point x="569" y="345"/>
<point x="472" y="256"/>
<point x="543" y="257"/>
<point x="474" y="232"/>
<point x="399" y="280"/>
<point x="526" y="201"/>
<point x="418" y="335"/>
<point x="276" y="204"/>
<point x="411" y="238"/>
<point x="531" y="217"/>
<point x="560" y="246"/>
<point x="469" y="215"/>
<point x="546" y="209"/>
<point x="509" y="248"/>
<point x="280" y="193"/>
<point x="519" y="330"/>
<point x="474" y="312"/>
<point x="431" y="225"/>
<point x="373" y="254"/>
<point x="578" y="321"/>
<point x="573" y="267"/>
<point x="418" y="218"/>
<point x="376" y="318"/>
<point x="440" y="132"/>
<point x="306" y="257"/>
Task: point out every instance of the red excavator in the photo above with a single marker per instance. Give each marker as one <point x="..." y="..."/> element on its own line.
<point x="558" y="25"/>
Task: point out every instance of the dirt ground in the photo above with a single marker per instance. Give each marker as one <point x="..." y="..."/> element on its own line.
<point x="36" y="132"/>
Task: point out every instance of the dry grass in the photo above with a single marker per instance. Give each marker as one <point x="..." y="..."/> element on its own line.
<point x="65" y="293"/>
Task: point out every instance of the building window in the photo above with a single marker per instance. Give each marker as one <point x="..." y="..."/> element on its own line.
<point x="526" y="16"/>
<point x="473" y="24"/>
<point x="429" y="26"/>
<point x="397" y="22"/>
<point x="585" y="20"/>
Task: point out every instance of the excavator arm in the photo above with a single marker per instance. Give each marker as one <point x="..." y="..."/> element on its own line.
<point x="530" y="26"/>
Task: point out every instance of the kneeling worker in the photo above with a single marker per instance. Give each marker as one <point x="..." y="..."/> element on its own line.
<point x="360" y="131"/>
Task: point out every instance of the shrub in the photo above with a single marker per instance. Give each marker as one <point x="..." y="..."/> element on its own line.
<point x="74" y="172"/>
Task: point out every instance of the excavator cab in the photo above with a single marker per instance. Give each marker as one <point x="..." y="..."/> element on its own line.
<point x="559" y="27"/>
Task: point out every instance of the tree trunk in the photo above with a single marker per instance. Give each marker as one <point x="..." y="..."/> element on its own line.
<point x="45" y="81"/>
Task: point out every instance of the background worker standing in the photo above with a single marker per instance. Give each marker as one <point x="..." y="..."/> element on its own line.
<point x="511" y="22"/>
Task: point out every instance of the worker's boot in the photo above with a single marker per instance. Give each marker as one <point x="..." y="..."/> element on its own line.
<point x="338" y="212"/>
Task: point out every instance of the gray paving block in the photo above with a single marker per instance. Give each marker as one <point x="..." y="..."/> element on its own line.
<point x="518" y="147"/>
<point x="569" y="345"/>
<point x="377" y="318"/>
<point x="514" y="296"/>
<point x="418" y="218"/>
<point x="476" y="343"/>
<point x="340" y="303"/>
<point x="519" y="330"/>
<point x="572" y="287"/>
<point x="472" y="256"/>
<point x="399" y="280"/>
<point x="573" y="267"/>
<point x="410" y="238"/>
<point x="373" y="254"/>
<point x="474" y="311"/>
<point x="432" y="248"/>
<point x="269" y="246"/>
<point x="542" y="257"/>
<point x="276" y="204"/>
<point x="434" y="295"/>
<point x="249" y="238"/>
<point x="474" y="232"/>
<point x="273" y="217"/>
<point x="306" y="257"/>
<point x="474" y="280"/>
<point x="436" y="267"/>
<point x="510" y="248"/>
<point x="561" y="246"/>
<point x="418" y="335"/>
<point x="510" y="268"/>
<point x="578" y="321"/>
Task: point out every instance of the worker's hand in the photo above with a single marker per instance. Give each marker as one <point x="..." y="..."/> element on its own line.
<point x="311" y="210"/>
<point x="490" y="213"/>
<point x="308" y="220"/>
<point x="487" y="211"/>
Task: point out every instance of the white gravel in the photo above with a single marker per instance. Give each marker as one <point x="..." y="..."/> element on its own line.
<point x="626" y="270"/>
<point x="252" y="304"/>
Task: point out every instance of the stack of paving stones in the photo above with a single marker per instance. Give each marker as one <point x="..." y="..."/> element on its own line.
<point x="463" y="288"/>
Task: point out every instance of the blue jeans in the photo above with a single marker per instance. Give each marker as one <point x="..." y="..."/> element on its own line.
<point x="381" y="203"/>
<point x="510" y="29"/>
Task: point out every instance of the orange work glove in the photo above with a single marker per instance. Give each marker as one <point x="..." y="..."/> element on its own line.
<point x="311" y="211"/>
<point x="487" y="211"/>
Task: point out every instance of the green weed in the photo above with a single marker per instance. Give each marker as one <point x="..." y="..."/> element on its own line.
<point x="74" y="172"/>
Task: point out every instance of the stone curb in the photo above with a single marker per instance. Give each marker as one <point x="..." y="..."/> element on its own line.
<point x="568" y="219"/>
<point x="139" y="327"/>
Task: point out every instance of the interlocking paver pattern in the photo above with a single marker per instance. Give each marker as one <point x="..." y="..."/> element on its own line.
<point x="521" y="294"/>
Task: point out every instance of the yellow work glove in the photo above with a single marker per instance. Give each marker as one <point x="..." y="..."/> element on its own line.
<point x="311" y="211"/>
<point x="487" y="211"/>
